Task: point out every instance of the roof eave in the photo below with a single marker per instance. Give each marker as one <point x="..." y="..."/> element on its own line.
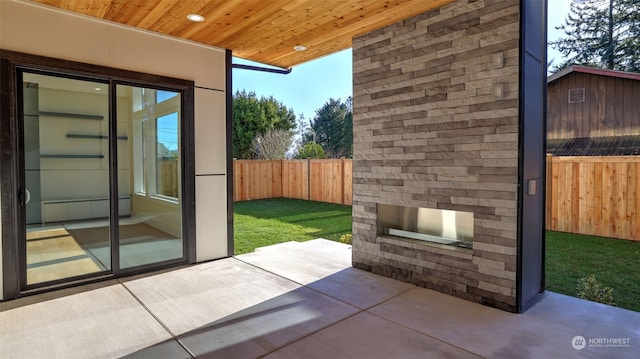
<point x="593" y="71"/>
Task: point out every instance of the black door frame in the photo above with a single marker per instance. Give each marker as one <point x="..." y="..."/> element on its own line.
<point x="12" y="164"/>
<point x="17" y="126"/>
<point x="530" y="275"/>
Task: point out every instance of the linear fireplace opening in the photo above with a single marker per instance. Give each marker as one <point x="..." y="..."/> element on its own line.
<point x="454" y="228"/>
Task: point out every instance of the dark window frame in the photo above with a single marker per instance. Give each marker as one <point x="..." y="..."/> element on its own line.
<point x="11" y="63"/>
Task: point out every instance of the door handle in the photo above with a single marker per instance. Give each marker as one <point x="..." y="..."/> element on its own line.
<point x="27" y="194"/>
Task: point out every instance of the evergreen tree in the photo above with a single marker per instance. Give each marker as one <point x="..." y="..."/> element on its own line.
<point x="332" y="128"/>
<point x="347" y="138"/>
<point x="601" y="33"/>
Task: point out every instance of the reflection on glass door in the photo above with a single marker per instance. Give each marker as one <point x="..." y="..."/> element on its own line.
<point x="151" y="230"/>
<point x="66" y="177"/>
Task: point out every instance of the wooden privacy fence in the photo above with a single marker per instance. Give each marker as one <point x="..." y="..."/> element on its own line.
<point x="167" y="177"/>
<point x="585" y="195"/>
<point x="316" y="180"/>
<point x="594" y="195"/>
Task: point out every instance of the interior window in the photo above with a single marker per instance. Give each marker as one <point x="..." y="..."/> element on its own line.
<point x="167" y="155"/>
<point x="156" y="143"/>
<point x="162" y="95"/>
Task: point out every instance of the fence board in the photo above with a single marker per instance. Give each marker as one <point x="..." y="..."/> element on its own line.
<point x="257" y="180"/>
<point x="594" y="195"/>
<point x="637" y="211"/>
<point x="622" y="222"/>
<point x="575" y="192"/>
<point x="347" y="186"/>
<point x="606" y="199"/>
<point x="588" y="200"/>
<point x="326" y="181"/>
<point x="168" y="182"/>
<point x="582" y="193"/>
<point x="549" y="190"/>
<point x="553" y="174"/>
<point x="295" y="179"/>
<point x="318" y="180"/>
<point x="597" y="198"/>
<point x="632" y="175"/>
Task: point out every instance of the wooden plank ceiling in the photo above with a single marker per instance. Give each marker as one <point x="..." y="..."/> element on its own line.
<point x="259" y="30"/>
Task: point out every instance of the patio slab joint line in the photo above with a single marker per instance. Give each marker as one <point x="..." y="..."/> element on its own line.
<point x="359" y="311"/>
<point x="173" y="336"/>
<point x="313" y="333"/>
<point x="425" y="334"/>
<point x="390" y="298"/>
<point x="307" y="286"/>
<point x="326" y="294"/>
<point x="268" y="271"/>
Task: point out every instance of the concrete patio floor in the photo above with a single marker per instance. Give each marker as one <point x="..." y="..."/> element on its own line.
<point x="299" y="300"/>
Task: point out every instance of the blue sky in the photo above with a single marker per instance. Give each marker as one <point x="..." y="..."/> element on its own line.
<point x="558" y="10"/>
<point x="306" y="88"/>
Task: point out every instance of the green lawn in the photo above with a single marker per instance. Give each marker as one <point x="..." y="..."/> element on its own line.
<point x="264" y="222"/>
<point x="615" y="263"/>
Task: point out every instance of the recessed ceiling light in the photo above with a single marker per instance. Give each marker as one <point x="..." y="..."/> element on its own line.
<point x="98" y="89"/>
<point x="300" y="48"/>
<point x="195" y="17"/>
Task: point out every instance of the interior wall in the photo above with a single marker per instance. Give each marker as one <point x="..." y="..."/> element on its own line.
<point x="67" y="183"/>
<point x="40" y="30"/>
<point x="73" y="178"/>
<point x="436" y="124"/>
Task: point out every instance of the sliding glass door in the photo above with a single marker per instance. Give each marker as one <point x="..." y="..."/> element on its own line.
<point x="66" y="175"/>
<point x="154" y="232"/>
<point x="100" y="168"/>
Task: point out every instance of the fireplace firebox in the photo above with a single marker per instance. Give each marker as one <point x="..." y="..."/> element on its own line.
<point x="454" y="228"/>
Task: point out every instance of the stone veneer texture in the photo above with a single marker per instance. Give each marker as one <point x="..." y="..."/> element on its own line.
<point x="436" y="126"/>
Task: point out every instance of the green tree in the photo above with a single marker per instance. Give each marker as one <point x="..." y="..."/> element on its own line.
<point x="347" y="138"/>
<point x="310" y="150"/>
<point x="332" y="128"/>
<point x="253" y="116"/>
<point x="601" y="33"/>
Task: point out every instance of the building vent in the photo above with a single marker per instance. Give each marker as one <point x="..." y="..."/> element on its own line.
<point x="576" y="95"/>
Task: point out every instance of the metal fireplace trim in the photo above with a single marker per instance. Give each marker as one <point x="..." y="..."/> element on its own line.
<point x="454" y="228"/>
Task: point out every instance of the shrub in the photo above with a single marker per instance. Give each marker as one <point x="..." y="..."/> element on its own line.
<point x="590" y="289"/>
<point x="345" y="238"/>
<point x="310" y="150"/>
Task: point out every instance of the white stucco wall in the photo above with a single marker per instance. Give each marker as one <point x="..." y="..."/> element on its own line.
<point x="41" y="30"/>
